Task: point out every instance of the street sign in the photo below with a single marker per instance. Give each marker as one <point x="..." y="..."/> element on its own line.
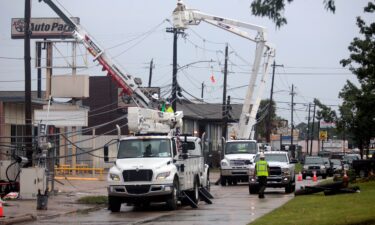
<point x="323" y="135"/>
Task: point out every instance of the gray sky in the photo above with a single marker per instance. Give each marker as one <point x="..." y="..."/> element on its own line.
<point x="310" y="46"/>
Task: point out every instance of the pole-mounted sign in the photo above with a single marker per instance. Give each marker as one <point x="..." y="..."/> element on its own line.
<point x="43" y="28"/>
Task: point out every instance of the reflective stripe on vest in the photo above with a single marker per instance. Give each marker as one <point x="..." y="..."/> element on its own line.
<point x="261" y="167"/>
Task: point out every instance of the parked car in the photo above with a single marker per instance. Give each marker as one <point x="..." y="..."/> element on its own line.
<point x="314" y="164"/>
<point x="336" y="166"/>
<point x="329" y="167"/>
<point x="347" y="160"/>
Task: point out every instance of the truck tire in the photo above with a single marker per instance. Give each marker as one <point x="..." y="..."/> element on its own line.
<point x="114" y="204"/>
<point x="173" y="198"/>
<point x="223" y="181"/>
<point x="194" y="194"/>
<point x="289" y="188"/>
<point x="304" y="176"/>
<point x="324" y="176"/>
<point x="253" y="189"/>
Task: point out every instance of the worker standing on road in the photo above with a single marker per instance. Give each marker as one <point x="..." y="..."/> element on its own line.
<point x="261" y="171"/>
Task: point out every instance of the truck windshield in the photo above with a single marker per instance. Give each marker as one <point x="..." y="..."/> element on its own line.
<point x="241" y="148"/>
<point x="144" y="148"/>
<point x="313" y="160"/>
<point x="273" y="158"/>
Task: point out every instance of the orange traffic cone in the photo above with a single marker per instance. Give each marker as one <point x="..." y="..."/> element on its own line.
<point x="299" y="177"/>
<point x="1" y="210"/>
<point x="315" y="179"/>
<point x="345" y="179"/>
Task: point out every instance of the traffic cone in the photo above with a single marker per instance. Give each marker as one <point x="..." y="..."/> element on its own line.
<point x="345" y="179"/>
<point x="299" y="177"/>
<point x="315" y="179"/>
<point x="1" y="210"/>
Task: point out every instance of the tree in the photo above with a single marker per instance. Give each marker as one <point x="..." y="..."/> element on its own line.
<point x="357" y="110"/>
<point x="273" y="9"/>
<point x="262" y="116"/>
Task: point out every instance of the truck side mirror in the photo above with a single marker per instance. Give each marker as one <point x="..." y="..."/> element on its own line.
<point x="106" y="158"/>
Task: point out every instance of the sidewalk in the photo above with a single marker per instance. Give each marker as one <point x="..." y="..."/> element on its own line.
<point x="60" y="203"/>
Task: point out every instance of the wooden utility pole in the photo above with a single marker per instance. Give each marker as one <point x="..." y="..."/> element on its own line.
<point x="308" y="130"/>
<point x="224" y="107"/>
<point x="312" y="131"/>
<point x="269" y="122"/>
<point x="27" y="61"/>
<point x="150" y="74"/>
<point x="291" y="123"/>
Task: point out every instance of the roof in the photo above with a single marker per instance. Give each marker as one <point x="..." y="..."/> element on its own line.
<point x="19" y="96"/>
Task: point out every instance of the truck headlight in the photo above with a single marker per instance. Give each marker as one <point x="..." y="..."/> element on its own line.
<point x="322" y="167"/>
<point x="114" y="177"/>
<point x="224" y="163"/>
<point x="285" y="171"/>
<point x="162" y="176"/>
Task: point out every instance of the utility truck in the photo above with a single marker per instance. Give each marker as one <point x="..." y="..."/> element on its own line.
<point x="156" y="163"/>
<point x="238" y="153"/>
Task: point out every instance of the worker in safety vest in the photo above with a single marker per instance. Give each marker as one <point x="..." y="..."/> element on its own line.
<point x="262" y="171"/>
<point x="168" y="107"/>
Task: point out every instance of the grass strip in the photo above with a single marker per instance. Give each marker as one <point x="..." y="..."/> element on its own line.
<point x="357" y="208"/>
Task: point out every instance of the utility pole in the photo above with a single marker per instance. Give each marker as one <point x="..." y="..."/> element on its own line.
<point x="224" y="108"/>
<point x="312" y="131"/>
<point x="39" y="64"/>
<point x="150" y="76"/>
<point x="291" y="123"/>
<point x="269" y="123"/>
<point x="27" y="60"/>
<point x="308" y="130"/>
<point x="175" y="32"/>
<point x="202" y="90"/>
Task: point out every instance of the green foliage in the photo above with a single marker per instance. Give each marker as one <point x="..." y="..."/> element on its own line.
<point x="274" y="9"/>
<point x="261" y="127"/>
<point x="357" y="110"/>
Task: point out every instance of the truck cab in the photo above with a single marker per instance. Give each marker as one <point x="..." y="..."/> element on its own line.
<point x="153" y="169"/>
<point x="281" y="172"/>
<point x="238" y="156"/>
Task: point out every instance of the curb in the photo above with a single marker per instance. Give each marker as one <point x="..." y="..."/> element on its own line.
<point x="19" y="219"/>
<point x="80" y="178"/>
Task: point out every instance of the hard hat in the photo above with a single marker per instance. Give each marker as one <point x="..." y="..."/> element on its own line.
<point x="155" y="96"/>
<point x="261" y="155"/>
<point x="167" y="103"/>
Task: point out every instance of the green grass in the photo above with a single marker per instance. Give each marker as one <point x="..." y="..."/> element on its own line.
<point x="357" y="208"/>
<point x="93" y="200"/>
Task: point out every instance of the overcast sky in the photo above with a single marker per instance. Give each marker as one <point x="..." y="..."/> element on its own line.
<point x="309" y="47"/>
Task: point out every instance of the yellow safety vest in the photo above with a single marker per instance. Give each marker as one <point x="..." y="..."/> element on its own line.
<point x="262" y="168"/>
<point x="170" y="109"/>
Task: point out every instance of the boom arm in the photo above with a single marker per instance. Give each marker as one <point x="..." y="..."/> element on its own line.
<point x="123" y="80"/>
<point x="183" y="17"/>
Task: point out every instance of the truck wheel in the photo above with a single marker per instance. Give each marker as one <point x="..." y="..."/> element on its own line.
<point x="114" y="204"/>
<point x="289" y="188"/>
<point x="304" y="176"/>
<point x="223" y="181"/>
<point x="173" y="198"/>
<point x="324" y="176"/>
<point x="253" y="189"/>
<point x="194" y="194"/>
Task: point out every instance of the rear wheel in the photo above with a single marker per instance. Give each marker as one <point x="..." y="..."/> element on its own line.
<point x="194" y="194"/>
<point x="324" y="176"/>
<point x="173" y="198"/>
<point x="114" y="204"/>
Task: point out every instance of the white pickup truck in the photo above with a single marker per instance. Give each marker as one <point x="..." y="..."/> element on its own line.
<point x="238" y="156"/>
<point x="281" y="172"/>
<point x="152" y="169"/>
